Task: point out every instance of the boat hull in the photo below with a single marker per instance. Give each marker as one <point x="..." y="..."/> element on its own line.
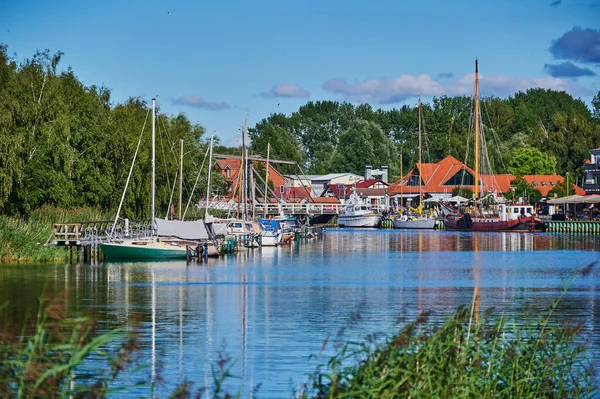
<point x="270" y="240"/>
<point x="358" y="221"/>
<point x="466" y="223"/>
<point x="418" y="223"/>
<point x="142" y="250"/>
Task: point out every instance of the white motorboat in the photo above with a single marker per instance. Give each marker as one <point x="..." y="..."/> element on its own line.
<point x="358" y="214"/>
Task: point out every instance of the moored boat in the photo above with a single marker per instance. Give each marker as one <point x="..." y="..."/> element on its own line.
<point x="510" y="217"/>
<point x="414" y="222"/>
<point x="358" y="214"/>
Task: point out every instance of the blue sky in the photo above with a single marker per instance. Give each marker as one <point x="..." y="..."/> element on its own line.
<point x="222" y="61"/>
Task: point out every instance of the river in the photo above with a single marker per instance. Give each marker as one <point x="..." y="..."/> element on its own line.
<point x="271" y="309"/>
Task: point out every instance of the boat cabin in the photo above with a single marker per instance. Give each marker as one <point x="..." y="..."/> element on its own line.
<point x="514" y="211"/>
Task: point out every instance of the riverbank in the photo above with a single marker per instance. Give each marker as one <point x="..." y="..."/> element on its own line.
<point x="23" y="239"/>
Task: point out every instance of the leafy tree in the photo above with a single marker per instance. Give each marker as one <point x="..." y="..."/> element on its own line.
<point x="596" y="106"/>
<point x="560" y="190"/>
<point x="363" y="143"/>
<point x="524" y="190"/>
<point x="531" y="161"/>
<point x="284" y="146"/>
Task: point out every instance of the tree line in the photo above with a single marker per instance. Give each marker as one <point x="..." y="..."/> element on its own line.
<point x="65" y="144"/>
<point x="536" y="132"/>
<point x="62" y="143"/>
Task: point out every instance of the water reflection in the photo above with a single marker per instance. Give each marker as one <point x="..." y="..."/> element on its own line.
<point x="275" y="307"/>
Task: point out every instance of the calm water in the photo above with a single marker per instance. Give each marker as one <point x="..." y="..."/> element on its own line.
<point x="271" y="309"/>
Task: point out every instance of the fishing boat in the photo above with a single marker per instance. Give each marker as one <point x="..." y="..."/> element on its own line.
<point x="358" y="214"/>
<point x="510" y="217"/>
<point x="416" y="219"/>
<point x="166" y="238"/>
<point x="505" y="216"/>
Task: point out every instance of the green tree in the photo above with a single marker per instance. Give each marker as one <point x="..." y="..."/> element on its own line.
<point x="284" y="145"/>
<point x="524" y="190"/>
<point x="363" y="143"/>
<point x="531" y="161"/>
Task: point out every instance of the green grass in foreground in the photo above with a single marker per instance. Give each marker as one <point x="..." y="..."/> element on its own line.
<point x="460" y="358"/>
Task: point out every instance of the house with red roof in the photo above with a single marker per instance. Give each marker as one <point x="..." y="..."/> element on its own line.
<point x="230" y="169"/>
<point x="440" y="178"/>
<point x="372" y="191"/>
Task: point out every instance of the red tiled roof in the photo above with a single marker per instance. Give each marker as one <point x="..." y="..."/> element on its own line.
<point x="368" y="183"/>
<point x="434" y="176"/>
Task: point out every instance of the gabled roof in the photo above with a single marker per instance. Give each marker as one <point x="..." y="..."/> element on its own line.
<point x="330" y="176"/>
<point x="340" y="190"/>
<point x="435" y="175"/>
<point x="544" y="183"/>
<point x="368" y="183"/>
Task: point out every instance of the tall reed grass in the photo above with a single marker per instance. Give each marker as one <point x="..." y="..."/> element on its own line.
<point x="493" y="357"/>
<point x="43" y="360"/>
<point x="22" y="239"/>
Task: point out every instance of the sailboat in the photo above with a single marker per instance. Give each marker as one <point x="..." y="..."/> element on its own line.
<point x="417" y="220"/>
<point x="508" y="217"/>
<point x="168" y="238"/>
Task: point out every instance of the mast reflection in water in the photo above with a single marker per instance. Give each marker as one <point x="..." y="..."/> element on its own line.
<point x="271" y="309"/>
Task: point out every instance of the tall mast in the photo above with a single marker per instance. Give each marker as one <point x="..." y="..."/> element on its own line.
<point x="267" y="177"/>
<point x="476" y="193"/>
<point x="153" y="189"/>
<point x="209" y="168"/>
<point x="401" y="177"/>
<point x="180" y="174"/>
<point x="245" y="168"/>
<point x="419" y="167"/>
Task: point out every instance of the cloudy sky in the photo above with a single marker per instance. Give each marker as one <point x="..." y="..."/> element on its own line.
<point x="220" y="61"/>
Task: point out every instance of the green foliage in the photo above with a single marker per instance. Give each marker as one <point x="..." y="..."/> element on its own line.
<point x="363" y="143"/>
<point x="41" y="361"/>
<point x="531" y="161"/>
<point x="523" y="190"/>
<point x="65" y="144"/>
<point x="560" y="189"/>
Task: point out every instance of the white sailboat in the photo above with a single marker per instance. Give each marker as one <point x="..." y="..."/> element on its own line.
<point x="168" y="238"/>
<point x="416" y="220"/>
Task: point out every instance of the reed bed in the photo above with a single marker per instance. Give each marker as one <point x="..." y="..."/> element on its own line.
<point x="23" y="239"/>
<point x="463" y="357"/>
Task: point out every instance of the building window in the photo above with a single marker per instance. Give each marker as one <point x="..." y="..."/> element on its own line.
<point x="552" y="183"/>
<point x="544" y="184"/>
<point x="534" y="184"/>
<point x="228" y="172"/>
<point x="462" y="178"/>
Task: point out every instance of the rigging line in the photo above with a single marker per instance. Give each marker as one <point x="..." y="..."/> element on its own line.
<point x="425" y="136"/>
<point x="129" y="175"/>
<point x="162" y="147"/>
<point x="171" y="196"/>
<point x="495" y="139"/>
<point x="196" y="182"/>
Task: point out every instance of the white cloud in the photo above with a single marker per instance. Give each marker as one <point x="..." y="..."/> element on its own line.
<point x="287" y="91"/>
<point x="396" y="90"/>
<point x="199" y="102"/>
